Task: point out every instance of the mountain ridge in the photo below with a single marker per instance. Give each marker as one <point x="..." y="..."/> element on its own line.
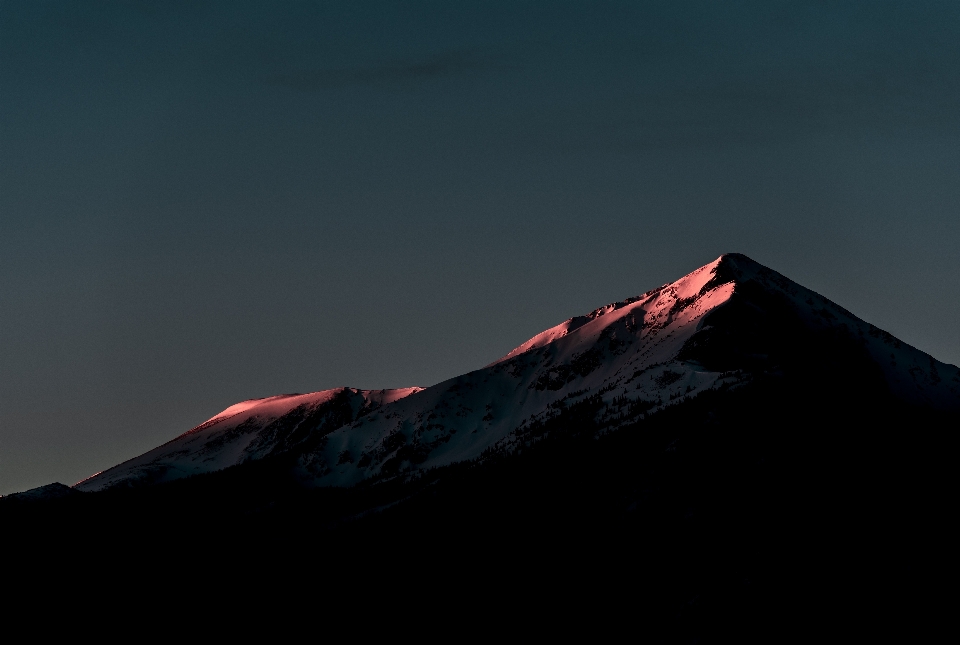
<point x="710" y="329"/>
<point x="243" y="428"/>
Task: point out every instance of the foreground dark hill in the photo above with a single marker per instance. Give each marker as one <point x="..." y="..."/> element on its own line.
<point x="759" y="512"/>
<point x="805" y="487"/>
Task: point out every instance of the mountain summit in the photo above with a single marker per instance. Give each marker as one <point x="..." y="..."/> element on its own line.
<point x="721" y="327"/>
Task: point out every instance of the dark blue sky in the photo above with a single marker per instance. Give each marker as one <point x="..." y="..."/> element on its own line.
<point x="203" y="202"/>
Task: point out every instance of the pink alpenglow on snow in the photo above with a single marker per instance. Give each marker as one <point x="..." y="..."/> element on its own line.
<point x="246" y="431"/>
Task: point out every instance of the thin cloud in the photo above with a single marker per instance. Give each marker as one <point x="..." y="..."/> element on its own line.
<point x="766" y="111"/>
<point x="447" y="64"/>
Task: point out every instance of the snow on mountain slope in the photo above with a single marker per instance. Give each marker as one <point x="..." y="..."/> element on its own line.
<point x="637" y="355"/>
<point x="706" y="330"/>
<point x="246" y="431"/>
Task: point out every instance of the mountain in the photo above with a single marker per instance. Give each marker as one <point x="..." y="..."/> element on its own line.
<point x="719" y="328"/>
<point x="729" y="456"/>
<point x="55" y="490"/>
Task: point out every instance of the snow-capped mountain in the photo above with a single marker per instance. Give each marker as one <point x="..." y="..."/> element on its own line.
<point x="717" y="327"/>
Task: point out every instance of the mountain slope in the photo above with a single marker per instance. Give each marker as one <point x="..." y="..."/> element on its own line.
<point x="719" y="327"/>
<point x="247" y="431"/>
<point x="710" y="329"/>
<point x="55" y="490"/>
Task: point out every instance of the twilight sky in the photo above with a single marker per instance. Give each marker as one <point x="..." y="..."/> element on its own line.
<point x="204" y="202"/>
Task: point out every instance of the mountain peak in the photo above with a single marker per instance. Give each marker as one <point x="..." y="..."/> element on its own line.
<point x="729" y="267"/>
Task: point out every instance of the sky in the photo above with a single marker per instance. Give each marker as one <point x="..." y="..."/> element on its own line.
<point x="206" y="202"/>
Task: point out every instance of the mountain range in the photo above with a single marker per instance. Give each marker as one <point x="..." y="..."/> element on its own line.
<point x="715" y="328"/>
